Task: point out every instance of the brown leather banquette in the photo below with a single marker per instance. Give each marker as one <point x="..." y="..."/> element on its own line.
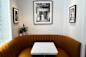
<point x="67" y="47"/>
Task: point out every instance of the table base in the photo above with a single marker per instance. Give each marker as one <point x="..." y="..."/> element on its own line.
<point x="43" y="55"/>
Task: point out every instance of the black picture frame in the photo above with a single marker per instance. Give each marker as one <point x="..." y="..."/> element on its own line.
<point x="42" y="12"/>
<point x="15" y="16"/>
<point x="72" y="14"/>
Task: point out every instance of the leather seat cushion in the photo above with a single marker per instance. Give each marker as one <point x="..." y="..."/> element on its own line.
<point x="26" y="53"/>
<point x="62" y="53"/>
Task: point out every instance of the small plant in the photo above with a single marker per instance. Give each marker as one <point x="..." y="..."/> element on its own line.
<point x="23" y="29"/>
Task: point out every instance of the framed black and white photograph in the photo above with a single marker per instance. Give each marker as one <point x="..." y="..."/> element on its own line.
<point x="42" y="12"/>
<point x="72" y="14"/>
<point x="15" y="16"/>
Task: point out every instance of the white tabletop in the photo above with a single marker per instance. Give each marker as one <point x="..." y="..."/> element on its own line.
<point x="44" y="48"/>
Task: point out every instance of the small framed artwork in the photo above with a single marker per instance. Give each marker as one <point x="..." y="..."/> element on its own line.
<point x="42" y="12"/>
<point x="15" y="16"/>
<point x="72" y="14"/>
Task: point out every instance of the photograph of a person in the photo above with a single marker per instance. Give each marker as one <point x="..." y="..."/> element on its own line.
<point x="42" y="12"/>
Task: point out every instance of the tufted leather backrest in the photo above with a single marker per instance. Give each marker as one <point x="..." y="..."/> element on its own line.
<point x="14" y="47"/>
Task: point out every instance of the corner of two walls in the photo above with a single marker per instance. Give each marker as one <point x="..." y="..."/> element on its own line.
<point x="15" y="27"/>
<point x="71" y="29"/>
<point x="76" y="30"/>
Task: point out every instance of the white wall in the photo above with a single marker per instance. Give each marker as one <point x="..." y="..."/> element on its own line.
<point x="26" y="17"/>
<point x="76" y="30"/>
<point x="6" y="31"/>
<point x="73" y="29"/>
<point x="15" y="27"/>
<point x="0" y="20"/>
<point x="84" y="28"/>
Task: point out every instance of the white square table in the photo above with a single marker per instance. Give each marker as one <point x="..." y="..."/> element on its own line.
<point x="44" y="48"/>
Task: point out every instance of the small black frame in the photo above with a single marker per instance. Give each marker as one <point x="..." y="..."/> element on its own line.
<point x="15" y="16"/>
<point x="72" y="14"/>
